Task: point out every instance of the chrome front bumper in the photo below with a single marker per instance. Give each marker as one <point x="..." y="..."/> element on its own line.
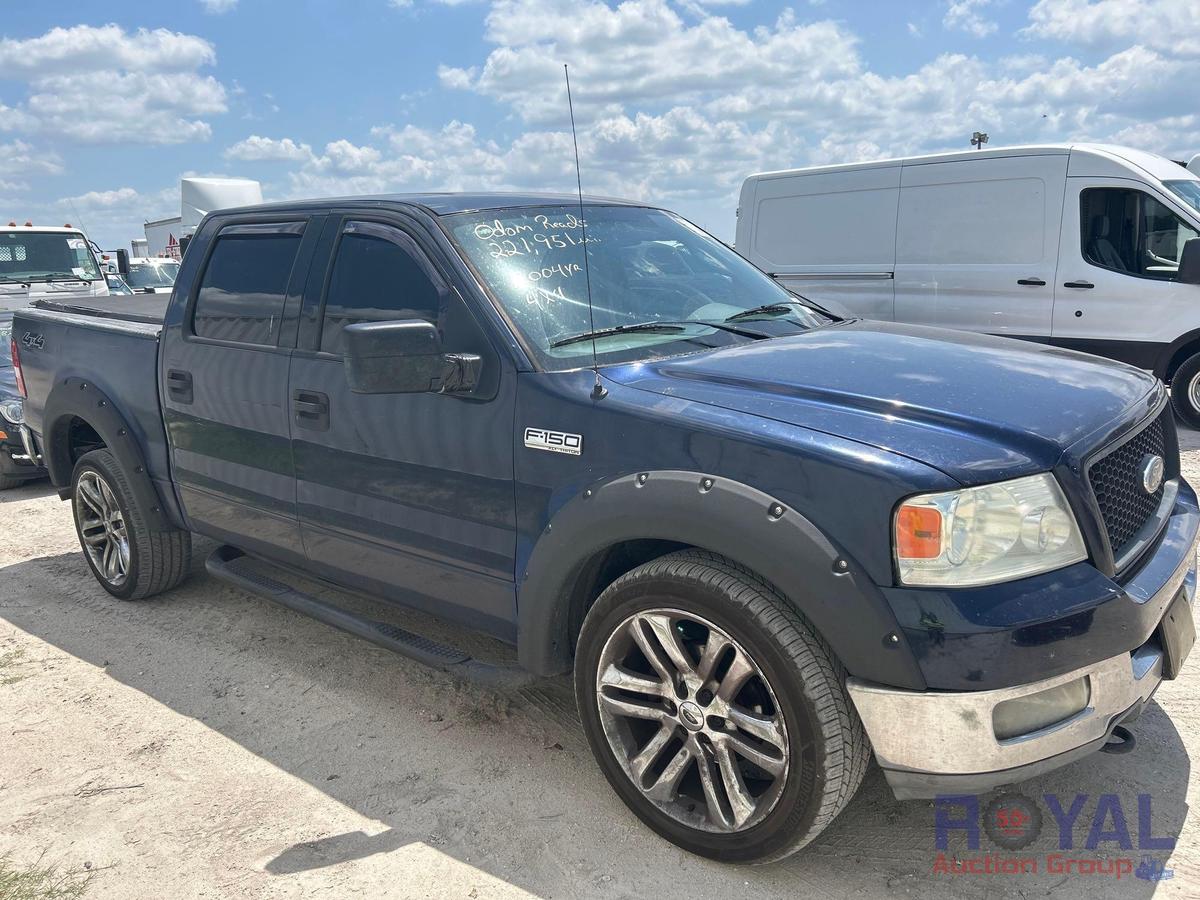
<point x="941" y="742"/>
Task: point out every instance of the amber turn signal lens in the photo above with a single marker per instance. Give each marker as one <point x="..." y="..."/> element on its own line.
<point x="918" y="532"/>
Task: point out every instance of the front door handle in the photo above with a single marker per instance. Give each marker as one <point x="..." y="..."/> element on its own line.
<point x="1078" y="284"/>
<point x="1032" y="282"/>
<point x="310" y="409"/>
<point x="179" y="385"/>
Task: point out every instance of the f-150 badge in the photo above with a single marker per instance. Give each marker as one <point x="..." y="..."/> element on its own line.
<point x="554" y="441"/>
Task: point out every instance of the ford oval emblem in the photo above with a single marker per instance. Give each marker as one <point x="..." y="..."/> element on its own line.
<point x="1152" y="472"/>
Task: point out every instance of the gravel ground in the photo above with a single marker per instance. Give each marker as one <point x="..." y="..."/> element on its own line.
<point x="210" y="744"/>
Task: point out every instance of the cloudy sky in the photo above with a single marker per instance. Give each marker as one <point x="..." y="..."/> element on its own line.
<point x="104" y="106"/>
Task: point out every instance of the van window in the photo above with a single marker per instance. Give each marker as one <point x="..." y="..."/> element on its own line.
<point x="1129" y="231"/>
<point x="379" y="275"/>
<point x="1001" y="221"/>
<point x="244" y="285"/>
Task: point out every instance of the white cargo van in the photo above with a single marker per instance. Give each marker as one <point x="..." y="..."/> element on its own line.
<point x="1081" y="246"/>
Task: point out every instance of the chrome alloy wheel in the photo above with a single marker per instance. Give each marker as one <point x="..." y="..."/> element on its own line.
<point x="1194" y="391"/>
<point x="102" y="528"/>
<point x="692" y="720"/>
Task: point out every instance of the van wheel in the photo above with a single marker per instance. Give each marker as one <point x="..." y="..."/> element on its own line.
<point x="715" y="710"/>
<point x="128" y="559"/>
<point x="1185" y="391"/>
<point x="7" y="482"/>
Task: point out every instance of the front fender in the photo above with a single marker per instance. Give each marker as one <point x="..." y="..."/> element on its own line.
<point x="78" y="398"/>
<point x="726" y="517"/>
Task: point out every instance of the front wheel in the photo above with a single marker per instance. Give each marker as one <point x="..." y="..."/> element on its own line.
<point x="130" y="560"/>
<point x="1185" y="391"/>
<point x="714" y="709"/>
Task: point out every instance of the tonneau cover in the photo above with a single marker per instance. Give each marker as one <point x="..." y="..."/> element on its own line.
<point x="149" y="308"/>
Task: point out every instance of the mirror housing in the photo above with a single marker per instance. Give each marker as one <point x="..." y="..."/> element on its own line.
<point x="405" y="357"/>
<point x="1189" y="263"/>
<point x="123" y="262"/>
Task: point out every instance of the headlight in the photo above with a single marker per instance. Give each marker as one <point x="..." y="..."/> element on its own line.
<point x="982" y="535"/>
<point x="13" y="411"/>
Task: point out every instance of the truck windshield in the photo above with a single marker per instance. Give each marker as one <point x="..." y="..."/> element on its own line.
<point x="646" y="266"/>
<point x="1187" y="190"/>
<point x="151" y="275"/>
<point x="27" y="256"/>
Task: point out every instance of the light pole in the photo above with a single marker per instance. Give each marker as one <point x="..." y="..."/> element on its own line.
<point x="978" y="139"/>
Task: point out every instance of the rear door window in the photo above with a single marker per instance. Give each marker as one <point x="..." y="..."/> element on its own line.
<point x="245" y="283"/>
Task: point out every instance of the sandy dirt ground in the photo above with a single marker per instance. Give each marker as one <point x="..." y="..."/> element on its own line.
<point x="210" y="744"/>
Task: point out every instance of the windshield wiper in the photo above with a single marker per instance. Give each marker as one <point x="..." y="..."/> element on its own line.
<point x="779" y="306"/>
<point x="656" y="325"/>
<point x="616" y="329"/>
<point x="62" y="276"/>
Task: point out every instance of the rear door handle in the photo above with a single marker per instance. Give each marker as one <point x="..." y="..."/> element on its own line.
<point x="179" y="385"/>
<point x="310" y="409"/>
<point x="1078" y="284"/>
<point x="1033" y="282"/>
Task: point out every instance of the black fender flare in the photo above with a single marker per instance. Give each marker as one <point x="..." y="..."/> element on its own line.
<point x="78" y="398"/>
<point x="726" y="517"/>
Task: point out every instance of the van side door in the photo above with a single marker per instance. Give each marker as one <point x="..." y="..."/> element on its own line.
<point x="1116" y="294"/>
<point x="977" y="244"/>
<point x="406" y="496"/>
<point x="223" y="382"/>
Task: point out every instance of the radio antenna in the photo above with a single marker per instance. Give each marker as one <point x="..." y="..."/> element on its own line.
<point x="598" y="390"/>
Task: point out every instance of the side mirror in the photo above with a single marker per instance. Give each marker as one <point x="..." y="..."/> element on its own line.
<point x="405" y="357"/>
<point x="123" y="262"/>
<point x="1189" y="263"/>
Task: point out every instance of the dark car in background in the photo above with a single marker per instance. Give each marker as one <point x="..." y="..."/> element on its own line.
<point x="16" y="463"/>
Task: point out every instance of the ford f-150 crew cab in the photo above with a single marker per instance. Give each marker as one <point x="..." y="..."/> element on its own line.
<point x="768" y="541"/>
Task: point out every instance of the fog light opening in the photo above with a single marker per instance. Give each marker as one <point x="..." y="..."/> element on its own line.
<point x="1024" y="716"/>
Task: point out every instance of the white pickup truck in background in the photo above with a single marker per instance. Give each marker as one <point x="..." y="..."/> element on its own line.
<point x="1086" y="246"/>
<point x="47" y="263"/>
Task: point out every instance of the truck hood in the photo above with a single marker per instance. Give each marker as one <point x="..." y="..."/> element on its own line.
<point x="978" y="408"/>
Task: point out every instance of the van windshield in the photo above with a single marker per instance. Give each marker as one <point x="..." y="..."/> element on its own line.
<point x="27" y="256"/>
<point x="659" y="285"/>
<point x="1187" y="190"/>
<point x="152" y="274"/>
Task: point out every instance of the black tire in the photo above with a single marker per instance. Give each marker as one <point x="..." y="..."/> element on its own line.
<point x="827" y="750"/>
<point x="157" y="560"/>
<point x="1185" y="391"/>
<point x="7" y="483"/>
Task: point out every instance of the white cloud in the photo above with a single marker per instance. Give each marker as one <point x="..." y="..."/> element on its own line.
<point x="1172" y="26"/>
<point x="262" y="149"/>
<point x="218" y="6"/>
<point x="106" y="85"/>
<point x="20" y="158"/>
<point x="967" y="15"/>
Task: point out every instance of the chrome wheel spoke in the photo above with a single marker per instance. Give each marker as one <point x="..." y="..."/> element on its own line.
<point x="714" y="649"/>
<point x="668" y="639"/>
<point x="617" y="677"/>
<point x="767" y="761"/>
<point x="765" y="728"/>
<point x="649" y="754"/>
<point x="709" y="783"/>
<point x="623" y="706"/>
<point x="740" y="671"/>
<point x="666" y="787"/>
<point x="741" y="804"/>
<point x="90" y="495"/>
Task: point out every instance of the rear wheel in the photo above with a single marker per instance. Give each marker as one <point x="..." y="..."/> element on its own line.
<point x="130" y="560"/>
<point x="7" y="483"/>
<point x="1185" y="391"/>
<point x="715" y="711"/>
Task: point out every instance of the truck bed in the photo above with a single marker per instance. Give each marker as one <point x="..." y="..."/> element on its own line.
<point x="148" y="308"/>
<point x="117" y="355"/>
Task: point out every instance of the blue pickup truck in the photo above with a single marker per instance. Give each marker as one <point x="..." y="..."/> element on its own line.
<point x="769" y="541"/>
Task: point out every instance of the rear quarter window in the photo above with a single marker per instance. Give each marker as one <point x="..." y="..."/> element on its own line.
<point x="245" y="283"/>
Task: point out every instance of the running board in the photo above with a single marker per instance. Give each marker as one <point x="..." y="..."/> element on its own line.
<point x="234" y="567"/>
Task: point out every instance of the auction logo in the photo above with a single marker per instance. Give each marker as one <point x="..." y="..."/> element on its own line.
<point x="1014" y="822"/>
